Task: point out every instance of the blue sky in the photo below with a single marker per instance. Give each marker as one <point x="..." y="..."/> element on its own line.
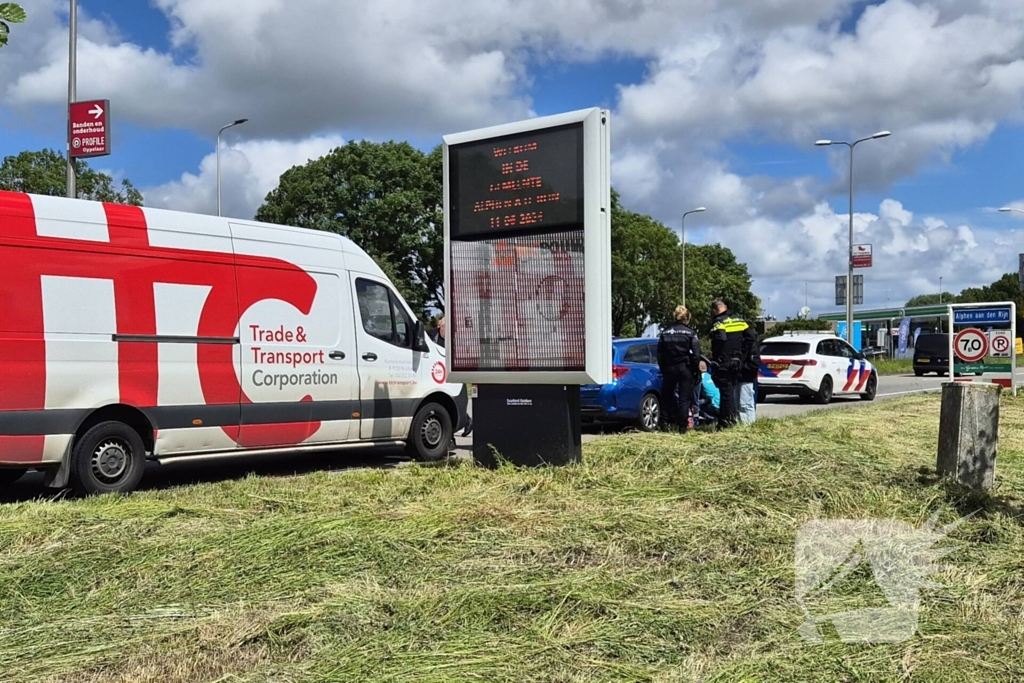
<point x="714" y="103"/>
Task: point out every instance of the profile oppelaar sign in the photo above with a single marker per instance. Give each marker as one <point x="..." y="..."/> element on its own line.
<point x="527" y="227"/>
<point x="89" y="128"/>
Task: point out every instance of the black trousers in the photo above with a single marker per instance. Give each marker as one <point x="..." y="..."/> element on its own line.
<point x="728" y="410"/>
<point x="677" y="395"/>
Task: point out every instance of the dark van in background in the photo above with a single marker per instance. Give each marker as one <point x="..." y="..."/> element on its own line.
<point x="931" y="354"/>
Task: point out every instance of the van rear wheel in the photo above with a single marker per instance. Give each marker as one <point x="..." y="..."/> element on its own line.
<point x="109" y="458"/>
<point x="431" y="434"/>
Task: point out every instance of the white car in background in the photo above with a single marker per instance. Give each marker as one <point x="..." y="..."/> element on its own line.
<point x="814" y="366"/>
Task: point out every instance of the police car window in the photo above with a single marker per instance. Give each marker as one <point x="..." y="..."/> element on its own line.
<point x="826" y="348"/>
<point x="637" y="354"/>
<point x="843" y="349"/>
<point x="375" y="310"/>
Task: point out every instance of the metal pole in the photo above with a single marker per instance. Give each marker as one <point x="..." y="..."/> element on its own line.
<point x="222" y="129"/>
<point x="72" y="90"/>
<point x="218" y="170"/>
<point x="682" y="235"/>
<point x="849" y="264"/>
<point x="940" y="289"/>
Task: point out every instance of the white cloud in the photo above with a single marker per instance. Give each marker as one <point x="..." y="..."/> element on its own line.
<point x="249" y="170"/>
<point x="909" y="255"/>
<point x="941" y="74"/>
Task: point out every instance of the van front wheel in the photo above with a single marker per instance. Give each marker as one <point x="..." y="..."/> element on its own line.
<point x="109" y="458"/>
<point x="431" y="433"/>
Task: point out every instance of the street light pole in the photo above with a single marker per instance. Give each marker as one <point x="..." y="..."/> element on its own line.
<point x="72" y="90"/>
<point x="682" y="236"/>
<point x="940" y="289"/>
<point x="222" y="129"/>
<point x="849" y="253"/>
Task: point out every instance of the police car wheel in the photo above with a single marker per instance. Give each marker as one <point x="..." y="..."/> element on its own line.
<point x="10" y="475"/>
<point x="431" y="434"/>
<point x="109" y="458"/>
<point x="824" y="395"/>
<point x="871" y="389"/>
<point x="761" y="395"/>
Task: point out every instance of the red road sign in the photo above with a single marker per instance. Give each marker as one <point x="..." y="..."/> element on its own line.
<point x="971" y="345"/>
<point x="861" y="256"/>
<point x="88" y="128"/>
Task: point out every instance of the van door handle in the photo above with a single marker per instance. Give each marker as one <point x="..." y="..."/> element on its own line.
<point x="336" y="355"/>
<point x="369" y="356"/>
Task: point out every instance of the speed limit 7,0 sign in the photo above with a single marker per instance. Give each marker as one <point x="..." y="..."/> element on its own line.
<point x="971" y="345"/>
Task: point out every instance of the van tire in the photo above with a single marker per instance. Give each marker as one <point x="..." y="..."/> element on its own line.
<point x="109" y="458"/>
<point x="9" y="475"/>
<point x="431" y="434"/>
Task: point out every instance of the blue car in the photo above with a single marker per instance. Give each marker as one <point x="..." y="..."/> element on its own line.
<point x="634" y="394"/>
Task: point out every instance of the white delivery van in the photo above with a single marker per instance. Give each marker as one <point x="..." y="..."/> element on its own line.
<point x="129" y="333"/>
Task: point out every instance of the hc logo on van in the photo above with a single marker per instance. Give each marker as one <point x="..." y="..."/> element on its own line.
<point x="900" y="559"/>
<point x="134" y="265"/>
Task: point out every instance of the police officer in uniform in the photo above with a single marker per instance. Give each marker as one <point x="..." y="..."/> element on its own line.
<point x="731" y="341"/>
<point x="678" y="358"/>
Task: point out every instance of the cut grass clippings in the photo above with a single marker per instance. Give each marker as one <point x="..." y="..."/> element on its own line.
<point x="659" y="558"/>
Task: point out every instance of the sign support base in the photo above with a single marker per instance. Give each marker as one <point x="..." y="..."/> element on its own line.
<point x="527" y="425"/>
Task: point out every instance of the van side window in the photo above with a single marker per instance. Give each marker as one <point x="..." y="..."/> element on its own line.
<point x="375" y="310"/>
<point x="403" y="325"/>
<point x="382" y="315"/>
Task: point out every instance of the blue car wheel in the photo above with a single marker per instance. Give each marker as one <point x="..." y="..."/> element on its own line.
<point x="649" y="416"/>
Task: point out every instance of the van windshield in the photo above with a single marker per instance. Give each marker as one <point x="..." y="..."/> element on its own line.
<point x="933" y="343"/>
<point x="785" y="348"/>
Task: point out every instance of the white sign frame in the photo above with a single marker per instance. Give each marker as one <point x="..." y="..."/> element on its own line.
<point x="950" y="308"/>
<point x="597" y="249"/>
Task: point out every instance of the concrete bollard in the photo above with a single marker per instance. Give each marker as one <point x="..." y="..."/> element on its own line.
<point x="969" y="433"/>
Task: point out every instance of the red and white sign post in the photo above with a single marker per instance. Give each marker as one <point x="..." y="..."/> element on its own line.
<point x="89" y="128"/>
<point x="861" y="256"/>
<point x="971" y="345"/>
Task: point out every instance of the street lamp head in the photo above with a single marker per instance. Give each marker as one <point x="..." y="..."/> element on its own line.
<point x="698" y="209"/>
<point x="823" y="143"/>
<point x="881" y="134"/>
<point x="1007" y="209"/>
<point x="239" y="121"/>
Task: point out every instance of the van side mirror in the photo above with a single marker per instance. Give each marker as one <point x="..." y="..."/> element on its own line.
<point x="419" y="340"/>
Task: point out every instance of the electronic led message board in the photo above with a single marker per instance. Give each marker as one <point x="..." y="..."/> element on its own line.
<point x="528" y="251"/>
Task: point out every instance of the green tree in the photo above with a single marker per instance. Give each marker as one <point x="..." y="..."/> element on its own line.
<point x="796" y="325"/>
<point x="10" y="13"/>
<point x="646" y="271"/>
<point x="386" y="197"/>
<point x="45" y="172"/>
<point x="647" y="276"/>
<point x="712" y="272"/>
<point x="932" y="299"/>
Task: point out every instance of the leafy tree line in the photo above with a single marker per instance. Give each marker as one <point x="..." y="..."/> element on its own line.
<point x="45" y="173"/>
<point x="387" y="197"/>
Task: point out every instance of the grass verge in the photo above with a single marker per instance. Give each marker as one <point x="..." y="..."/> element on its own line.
<point x="894" y="366"/>
<point x="660" y="558"/>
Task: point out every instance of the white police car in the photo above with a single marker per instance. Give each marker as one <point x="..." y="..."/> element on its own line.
<point x="814" y="366"/>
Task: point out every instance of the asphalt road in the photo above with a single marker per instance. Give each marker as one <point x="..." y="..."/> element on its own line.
<point x="162" y="476"/>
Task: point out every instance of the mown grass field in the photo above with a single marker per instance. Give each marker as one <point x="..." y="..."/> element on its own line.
<point x="660" y="558"/>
